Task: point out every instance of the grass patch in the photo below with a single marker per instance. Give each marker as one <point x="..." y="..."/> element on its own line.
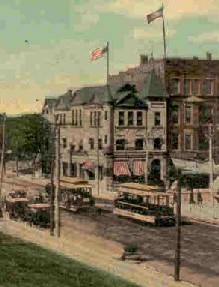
<point x="27" y="265"/>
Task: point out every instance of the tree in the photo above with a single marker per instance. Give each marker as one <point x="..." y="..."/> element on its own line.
<point x="29" y="137"/>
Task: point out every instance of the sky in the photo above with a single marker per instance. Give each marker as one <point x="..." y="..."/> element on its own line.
<point x="46" y="44"/>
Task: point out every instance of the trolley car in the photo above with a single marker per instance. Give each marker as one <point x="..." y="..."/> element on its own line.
<point x="75" y="193"/>
<point x="144" y="203"/>
<point x="16" y="203"/>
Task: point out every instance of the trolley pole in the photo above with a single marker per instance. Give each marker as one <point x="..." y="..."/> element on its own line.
<point x="57" y="180"/>
<point x="178" y="232"/>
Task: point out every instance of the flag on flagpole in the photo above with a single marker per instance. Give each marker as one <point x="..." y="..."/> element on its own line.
<point x="157" y="14"/>
<point x="98" y="53"/>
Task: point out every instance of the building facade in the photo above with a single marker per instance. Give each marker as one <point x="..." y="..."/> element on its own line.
<point x="112" y="132"/>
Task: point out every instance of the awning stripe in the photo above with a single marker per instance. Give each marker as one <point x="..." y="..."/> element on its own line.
<point x="139" y="167"/>
<point x="88" y="165"/>
<point x="121" y="168"/>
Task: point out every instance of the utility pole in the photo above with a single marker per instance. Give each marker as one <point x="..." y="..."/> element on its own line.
<point x="178" y="231"/>
<point x="210" y="131"/>
<point x="52" y="168"/>
<point x="2" y="159"/>
<point x="57" y="179"/>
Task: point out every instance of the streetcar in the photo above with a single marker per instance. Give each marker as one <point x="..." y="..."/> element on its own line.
<point x="16" y="203"/>
<point x="145" y="203"/>
<point x="38" y="214"/>
<point x="75" y="193"/>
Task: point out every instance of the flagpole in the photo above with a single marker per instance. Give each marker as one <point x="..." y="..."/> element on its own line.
<point x="164" y="39"/>
<point x="107" y="64"/>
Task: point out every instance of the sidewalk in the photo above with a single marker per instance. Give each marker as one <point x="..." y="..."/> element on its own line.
<point x="95" y="251"/>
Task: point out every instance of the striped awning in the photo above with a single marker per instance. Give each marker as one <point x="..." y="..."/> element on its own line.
<point x="88" y="165"/>
<point x="138" y="167"/>
<point x="121" y="168"/>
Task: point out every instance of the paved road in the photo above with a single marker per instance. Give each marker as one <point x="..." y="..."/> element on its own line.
<point x="200" y="244"/>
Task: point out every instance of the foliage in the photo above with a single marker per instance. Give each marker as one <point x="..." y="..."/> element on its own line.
<point x="29" y="137"/>
<point x="27" y="265"/>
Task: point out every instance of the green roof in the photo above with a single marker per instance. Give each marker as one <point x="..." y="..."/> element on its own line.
<point x="153" y="87"/>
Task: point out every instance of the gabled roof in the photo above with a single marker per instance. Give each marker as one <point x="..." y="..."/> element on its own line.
<point x="153" y="87"/>
<point x="128" y="99"/>
<point x="64" y="101"/>
<point x="86" y="95"/>
<point x="50" y="103"/>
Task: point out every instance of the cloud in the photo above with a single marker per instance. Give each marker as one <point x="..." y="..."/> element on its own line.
<point x="173" y="9"/>
<point x="211" y="37"/>
<point x="153" y="34"/>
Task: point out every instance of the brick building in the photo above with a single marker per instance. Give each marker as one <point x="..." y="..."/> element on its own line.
<point x="192" y="86"/>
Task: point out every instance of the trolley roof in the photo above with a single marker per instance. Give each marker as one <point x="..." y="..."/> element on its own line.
<point x="141" y="189"/>
<point x="73" y="180"/>
<point x="17" y="199"/>
<point x="39" y="205"/>
<point x="67" y="185"/>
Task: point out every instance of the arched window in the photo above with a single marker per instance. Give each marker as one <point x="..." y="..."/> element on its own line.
<point x="120" y="144"/>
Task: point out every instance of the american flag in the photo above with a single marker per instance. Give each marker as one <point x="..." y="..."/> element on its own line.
<point x="157" y="14"/>
<point x="98" y="53"/>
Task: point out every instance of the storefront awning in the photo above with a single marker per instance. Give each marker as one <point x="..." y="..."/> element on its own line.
<point x="138" y="167"/>
<point x="88" y="165"/>
<point x="121" y="168"/>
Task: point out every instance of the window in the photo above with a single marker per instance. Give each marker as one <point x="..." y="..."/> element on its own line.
<point x="100" y="144"/>
<point x="91" y="175"/>
<point x="120" y="144"/>
<point x="81" y="145"/>
<point x="76" y="117"/>
<point x="105" y="139"/>
<point x="100" y="171"/>
<point x="175" y="86"/>
<point x="99" y="118"/>
<point x="207" y="87"/>
<point x="139" y="144"/>
<point x="91" y="143"/>
<point x="80" y="118"/>
<point x="64" y="119"/>
<point x="130" y="118"/>
<point x="121" y="118"/>
<point x="175" y="114"/>
<point x="73" y="118"/>
<point x="60" y="119"/>
<point x="64" y="142"/>
<point x="139" y="119"/>
<point x="188" y="114"/>
<point x="157" y="119"/>
<point x="91" y="119"/>
<point x="157" y="143"/>
<point x="65" y="168"/>
<point x="175" y="140"/>
<point x="195" y="87"/>
<point x="206" y="114"/>
<point x="105" y="115"/>
<point x="187" y="90"/>
<point x="188" y="142"/>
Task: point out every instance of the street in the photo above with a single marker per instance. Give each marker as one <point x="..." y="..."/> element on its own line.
<point x="200" y="246"/>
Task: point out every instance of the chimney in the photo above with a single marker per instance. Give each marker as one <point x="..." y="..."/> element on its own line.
<point x="143" y="59"/>
<point x="208" y="56"/>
